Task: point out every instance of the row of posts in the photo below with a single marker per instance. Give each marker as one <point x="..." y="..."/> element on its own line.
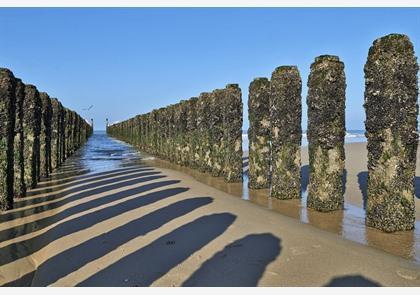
<point x="205" y="133"/>
<point x="37" y="134"/>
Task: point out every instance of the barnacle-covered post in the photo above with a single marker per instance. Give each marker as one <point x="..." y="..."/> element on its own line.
<point x="69" y="132"/>
<point x="7" y="130"/>
<point x="391" y="129"/>
<point x="55" y="136"/>
<point x="203" y="113"/>
<point x="139" y="131"/>
<point x="67" y="116"/>
<point x="152" y="123"/>
<point x="128" y="129"/>
<point x="216" y="131"/>
<point x="232" y="124"/>
<point x="145" y="132"/>
<point x="192" y="133"/>
<point x="62" y="134"/>
<point x="326" y="131"/>
<point x="177" y="133"/>
<point x="286" y="132"/>
<point x="183" y="105"/>
<point x="19" y="156"/>
<point x="165" y="133"/>
<point x="168" y="126"/>
<point x="32" y="130"/>
<point x="133" y="131"/>
<point x="79" y="126"/>
<point x="76" y="130"/>
<point x="259" y="134"/>
<point x="45" y="137"/>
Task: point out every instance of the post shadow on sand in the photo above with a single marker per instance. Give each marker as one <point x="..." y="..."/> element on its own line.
<point x="240" y="264"/>
<point x="68" y="188"/>
<point x="304" y="174"/>
<point x="67" y="173"/>
<point x="18" y="250"/>
<point x="63" y="184"/>
<point x="104" y="181"/>
<point x="153" y="261"/>
<point x="74" y="258"/>
<point x="352" y="281"/>
<point x="70" y="168"/>
<point x="362" y="178"/>
<point x="61" y="178"/>
<point x="29" y="227"/>
<point x="79" y="193"/>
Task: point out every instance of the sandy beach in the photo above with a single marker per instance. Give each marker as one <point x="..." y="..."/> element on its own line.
<point x="146" y="222"/>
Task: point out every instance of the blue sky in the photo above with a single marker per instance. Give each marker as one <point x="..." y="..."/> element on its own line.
<point x="128" y="61"/>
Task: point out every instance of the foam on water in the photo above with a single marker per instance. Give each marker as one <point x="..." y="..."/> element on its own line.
<point x="351" y="137"/>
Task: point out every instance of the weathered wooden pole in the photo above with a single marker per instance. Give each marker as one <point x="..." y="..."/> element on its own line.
<point x="7" y="129"/>
<point x="45" y="137"/>
<point x="70" y="124"/>
<point x="192" y="133"/>
<point x="232" y="124"/>
<point x="76" y="130"/>
<point x="145" y="132"/>
<point x="142" y="132"/>
<point x="163" y="127"/>
<point x="55" y="135"/>
<point x="203" y="113"/>
<point x="172" y="132"/>
<point x="130" y="136"/>
<point x="137" y="131"/>
<point x="19" y="156"/>
<point x="32" y="130"/>
<point x="216" y="132"/>
<point x="152" y="122"/>
<point x="391" y="129"/>
<point x="259" y="134"/>
<point x="62" y="133"/>
<point x="67" y="132"/>
<point x="178" y="132"/>
<point x="286" y="132"/>
<point x="183" y="109"/>
<point x="326" y="132"/>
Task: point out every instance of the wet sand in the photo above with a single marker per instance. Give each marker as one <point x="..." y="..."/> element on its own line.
<point x="146" y="223"/>
<point x="348" y="223"/>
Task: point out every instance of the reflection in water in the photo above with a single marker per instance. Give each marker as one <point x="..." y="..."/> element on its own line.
<point x="348" y="223"/>
<point x="103" y="153"/>
<point x="100" y="153"/>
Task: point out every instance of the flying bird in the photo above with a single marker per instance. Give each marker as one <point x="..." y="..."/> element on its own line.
<point x="88" y="108"/>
